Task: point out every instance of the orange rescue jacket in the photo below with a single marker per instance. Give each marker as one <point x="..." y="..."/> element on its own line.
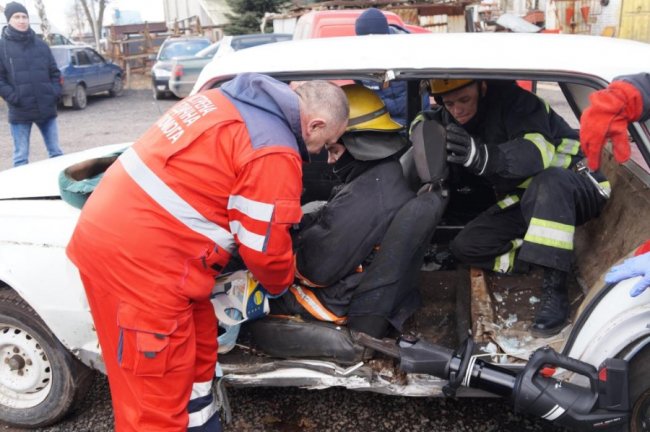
<point x="202" y="182"/>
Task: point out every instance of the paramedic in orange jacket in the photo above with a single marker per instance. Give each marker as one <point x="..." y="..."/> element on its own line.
<point x="220" y="171"/>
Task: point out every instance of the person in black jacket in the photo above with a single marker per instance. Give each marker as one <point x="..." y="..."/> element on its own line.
<point x="513" y="144"/>
<point x="29" y="83"/>
<point x="335" y="243"/>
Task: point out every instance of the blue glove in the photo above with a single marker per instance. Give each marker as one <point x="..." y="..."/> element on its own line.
<point x="632" y="267"/>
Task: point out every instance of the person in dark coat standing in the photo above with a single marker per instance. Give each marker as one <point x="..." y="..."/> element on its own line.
<point x="29" y="83"/>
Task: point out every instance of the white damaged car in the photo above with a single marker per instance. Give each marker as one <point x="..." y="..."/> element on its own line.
<point x="48" y="345"/>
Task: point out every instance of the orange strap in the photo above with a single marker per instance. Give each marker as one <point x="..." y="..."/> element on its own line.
<point x="310" y="302"/>
<point x="303" y="280"/>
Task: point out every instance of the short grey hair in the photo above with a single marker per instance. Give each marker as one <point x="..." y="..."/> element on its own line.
<point x="323" y="98"/>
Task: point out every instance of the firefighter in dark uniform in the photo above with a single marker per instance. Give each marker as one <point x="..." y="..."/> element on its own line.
<point x="334" y="244"/>
<point x="511" y="140"/>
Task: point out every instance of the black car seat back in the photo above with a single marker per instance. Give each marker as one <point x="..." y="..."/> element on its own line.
<point x="425" y="164"/>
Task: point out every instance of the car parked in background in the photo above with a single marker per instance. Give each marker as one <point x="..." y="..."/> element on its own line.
<point x="172" y="48"/>
<point x="85" y="72"/>
<point x="186" y="70"/>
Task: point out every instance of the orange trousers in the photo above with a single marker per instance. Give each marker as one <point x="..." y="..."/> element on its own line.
<point x="152" y="361"/>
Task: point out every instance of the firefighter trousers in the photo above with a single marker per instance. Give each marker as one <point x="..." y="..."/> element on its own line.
<point x="537" y="228"/>
<point x="160" y="368"/>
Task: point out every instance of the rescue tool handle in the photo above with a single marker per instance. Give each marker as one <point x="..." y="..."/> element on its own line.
<point x="583" y="169"/>
<point x="547" y="356"/>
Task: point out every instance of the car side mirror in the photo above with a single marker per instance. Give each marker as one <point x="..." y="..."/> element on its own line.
<point x="151" y="57"/>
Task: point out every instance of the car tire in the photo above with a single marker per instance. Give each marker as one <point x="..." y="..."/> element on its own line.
<point x="40" y="380"/>
<point x="157" y="95"/>
<point x="639" y="380"/>
<point x="79" y="99"/>
<point x="118" y="87"/>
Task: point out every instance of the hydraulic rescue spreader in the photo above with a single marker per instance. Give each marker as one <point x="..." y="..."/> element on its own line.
<point x="602" y="405"/>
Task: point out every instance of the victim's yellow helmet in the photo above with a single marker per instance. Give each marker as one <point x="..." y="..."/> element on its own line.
<point x="441" y="86"/>
<point x="367" y="111"/>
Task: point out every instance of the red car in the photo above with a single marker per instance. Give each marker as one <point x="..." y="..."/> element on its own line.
<point x="331" y="23"/>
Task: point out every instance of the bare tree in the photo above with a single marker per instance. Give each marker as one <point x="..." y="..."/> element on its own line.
<point x="45" y="23"/>
<point x="95" y="17"/>
<point x="76" y="19"/>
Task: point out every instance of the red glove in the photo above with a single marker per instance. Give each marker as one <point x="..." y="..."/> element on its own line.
<point x="611" y="110"/>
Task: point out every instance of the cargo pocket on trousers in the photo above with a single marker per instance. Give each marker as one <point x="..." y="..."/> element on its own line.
<point x="143" y="346"/>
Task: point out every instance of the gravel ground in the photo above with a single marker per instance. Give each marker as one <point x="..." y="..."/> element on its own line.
<point x="108" y="121"/>
<point x="105" y="120"/>
<point x="332" y="410"/>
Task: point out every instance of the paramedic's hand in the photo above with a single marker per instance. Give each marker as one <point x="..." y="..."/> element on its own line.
<point x="462" y="149"/>
<point x="637" y="266"/>
<point x="611" y="110"/>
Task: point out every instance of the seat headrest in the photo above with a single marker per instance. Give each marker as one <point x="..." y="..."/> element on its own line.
<point x="428" y="137"/>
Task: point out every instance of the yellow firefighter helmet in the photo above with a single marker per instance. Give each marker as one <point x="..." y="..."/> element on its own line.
<point x="367" y="111"/>
<point x="441" y="86"/>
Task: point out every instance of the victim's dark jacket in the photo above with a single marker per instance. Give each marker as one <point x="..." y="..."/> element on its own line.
<point x="336" y="240"/>
<point x="29" y="76"/>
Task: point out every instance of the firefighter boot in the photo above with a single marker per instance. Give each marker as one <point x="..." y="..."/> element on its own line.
<point x="554" y="308"/>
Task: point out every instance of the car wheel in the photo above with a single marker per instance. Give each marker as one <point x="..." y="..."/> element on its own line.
<point x="118" y="87"/>
<point x="639" y="380"/>
<point x="40" y="380"/>
<point x="79" y="100"/>
<point x="157" y="95"/>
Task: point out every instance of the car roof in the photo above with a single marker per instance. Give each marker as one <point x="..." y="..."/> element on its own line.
<point x="441" y="54"/>
<point x="269" y="35"/>
<point x="185" y="39"/>
<point x="344" y="13"/>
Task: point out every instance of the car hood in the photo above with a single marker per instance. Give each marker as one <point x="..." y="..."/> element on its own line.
<point x="41" y="179"/>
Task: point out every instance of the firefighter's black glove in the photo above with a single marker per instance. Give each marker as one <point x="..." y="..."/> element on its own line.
<point x="464" y="150"/>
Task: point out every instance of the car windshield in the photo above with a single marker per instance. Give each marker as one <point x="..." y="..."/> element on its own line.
<point x="210" y="51"/>
<point x="61" y="57"/>
<point x="182" y="48"/>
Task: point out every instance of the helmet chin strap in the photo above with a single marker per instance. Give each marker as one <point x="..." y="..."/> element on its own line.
<point x="344" y="165"/>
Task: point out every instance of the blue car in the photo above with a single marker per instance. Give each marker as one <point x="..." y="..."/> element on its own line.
<point x="85" y="72"/>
